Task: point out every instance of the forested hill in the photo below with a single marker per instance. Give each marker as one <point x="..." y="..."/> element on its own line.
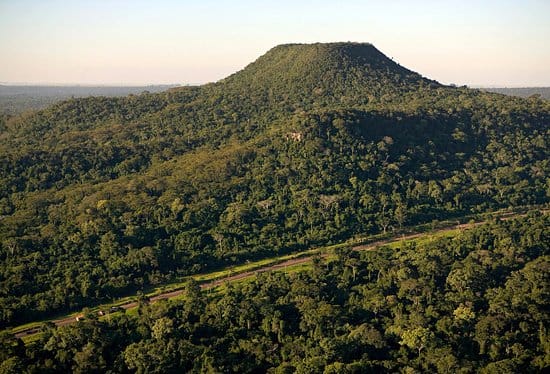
<point x="310" y="144"/>
<point x="305" y="76"/>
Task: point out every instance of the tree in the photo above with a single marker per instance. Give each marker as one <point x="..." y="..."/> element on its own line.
<point x="417" y="338"/>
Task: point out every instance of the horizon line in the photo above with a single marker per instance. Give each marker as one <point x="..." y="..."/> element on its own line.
<point x="73" y="84"/>
<point x="121" y="84"/>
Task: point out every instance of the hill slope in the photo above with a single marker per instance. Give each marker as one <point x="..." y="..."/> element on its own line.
<point x="307" y="145"/>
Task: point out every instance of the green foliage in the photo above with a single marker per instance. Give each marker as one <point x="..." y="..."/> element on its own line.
<point x="326" y="320"/>
<point x="309" y="145"/>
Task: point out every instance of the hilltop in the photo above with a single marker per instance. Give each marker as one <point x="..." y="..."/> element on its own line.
<point x="325" y="63"/>
<point x="324" y="73"/>
<point x="308" y="145"/>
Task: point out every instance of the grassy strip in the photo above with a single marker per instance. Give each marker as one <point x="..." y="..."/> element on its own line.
<point x="330" y="255"/>
<point x="38" y="324"/>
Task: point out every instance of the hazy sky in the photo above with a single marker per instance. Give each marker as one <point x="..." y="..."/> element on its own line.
<point x="474" y="42"/>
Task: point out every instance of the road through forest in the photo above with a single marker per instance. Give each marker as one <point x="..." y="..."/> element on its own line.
<point x="281" y="265"/>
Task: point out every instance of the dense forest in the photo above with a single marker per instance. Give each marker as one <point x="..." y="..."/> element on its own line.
<point x="308" y="145"/>
<point x="476" y="302"/>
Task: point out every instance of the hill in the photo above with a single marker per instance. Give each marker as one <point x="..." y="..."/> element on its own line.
<point x="321" y="74"/>
<point x="308" y="145"/>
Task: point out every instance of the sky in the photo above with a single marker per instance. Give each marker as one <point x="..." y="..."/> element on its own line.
<point x="500" y="43"/>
